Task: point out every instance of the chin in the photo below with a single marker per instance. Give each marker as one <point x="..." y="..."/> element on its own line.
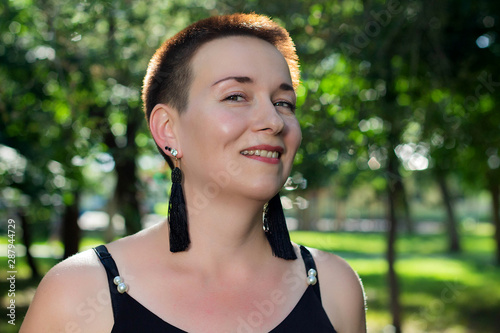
<point x="265" y="190"/>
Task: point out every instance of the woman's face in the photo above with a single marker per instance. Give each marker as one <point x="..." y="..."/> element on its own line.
<point x="239" y="133"/>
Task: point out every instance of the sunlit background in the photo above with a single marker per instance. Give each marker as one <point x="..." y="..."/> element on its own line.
<point x="398" y="172"/>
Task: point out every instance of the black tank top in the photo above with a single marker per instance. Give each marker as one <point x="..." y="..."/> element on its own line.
<point x="131" y="316"/>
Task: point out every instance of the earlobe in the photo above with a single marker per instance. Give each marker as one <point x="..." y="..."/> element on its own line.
<point x="161" y="126"/>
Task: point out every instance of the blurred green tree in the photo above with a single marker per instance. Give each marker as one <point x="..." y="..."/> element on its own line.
<point x="389" y="89"/>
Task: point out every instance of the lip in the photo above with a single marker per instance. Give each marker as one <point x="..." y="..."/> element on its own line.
<point x="270" y="160"/>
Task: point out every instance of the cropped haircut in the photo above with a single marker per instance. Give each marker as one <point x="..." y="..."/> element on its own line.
<point x="169" y="76"/>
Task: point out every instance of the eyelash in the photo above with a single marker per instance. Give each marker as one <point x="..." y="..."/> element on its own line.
<point x="231" y="97"/>
<point x="291" y="106"/>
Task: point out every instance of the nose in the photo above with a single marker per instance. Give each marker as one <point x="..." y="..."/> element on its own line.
<point x="269" y="119"/>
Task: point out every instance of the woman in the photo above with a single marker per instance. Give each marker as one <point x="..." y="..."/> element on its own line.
<point x="220" y="100"/>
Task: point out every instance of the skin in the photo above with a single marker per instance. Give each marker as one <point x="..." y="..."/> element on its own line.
<point x="240" y="98"/>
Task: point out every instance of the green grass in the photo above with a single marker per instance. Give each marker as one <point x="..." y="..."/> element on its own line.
<point x="440" y="292"/>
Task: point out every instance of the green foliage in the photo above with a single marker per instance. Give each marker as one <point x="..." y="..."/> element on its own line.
<point x="75" y="71"/>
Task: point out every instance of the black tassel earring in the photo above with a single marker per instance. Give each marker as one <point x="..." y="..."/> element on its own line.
<point x="177" y="217"/>
<point x="277" y="231"/>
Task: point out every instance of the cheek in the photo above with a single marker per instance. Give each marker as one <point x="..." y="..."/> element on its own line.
<point x="294" y="135"/>
<point x="226" y="126"/>
<point x="211" y="131"/>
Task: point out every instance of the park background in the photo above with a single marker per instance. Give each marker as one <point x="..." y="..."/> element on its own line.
<point x="399" y="110"/>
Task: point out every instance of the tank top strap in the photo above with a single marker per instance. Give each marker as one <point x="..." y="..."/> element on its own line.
<point x="309" y="263"/>
<point x="112" y="272"/>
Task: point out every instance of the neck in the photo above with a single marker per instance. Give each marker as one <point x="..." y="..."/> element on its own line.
<point x="224" y="232"/>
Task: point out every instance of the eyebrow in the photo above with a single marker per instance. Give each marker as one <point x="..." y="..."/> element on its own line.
<point x="246" y="79"/>
<point x="239" y="79"/>
<point x="286" y="87"/>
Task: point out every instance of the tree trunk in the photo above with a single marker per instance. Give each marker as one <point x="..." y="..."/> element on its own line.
<point x="126" y="190"/>
<point x="454" y="241"/>
<point x="401" y="190"/>
<point x="340" y="214"/>
<point x="126" y="194"/>
<point x="309" y="217"/>
<point x="71" y="232"/>
<point x="393" y="178"/>
<point x="125" y="198"/>
<point x="109" y="233"/>
<point x="27" y="244"/>
<point x="495" y="198"/>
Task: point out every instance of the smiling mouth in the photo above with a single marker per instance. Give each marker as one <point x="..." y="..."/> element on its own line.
<point x="261" y="153"/>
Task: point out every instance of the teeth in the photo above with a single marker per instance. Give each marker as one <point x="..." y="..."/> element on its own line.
<point x="263" y="153"/>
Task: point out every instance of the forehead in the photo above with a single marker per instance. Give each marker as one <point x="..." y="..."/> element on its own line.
<point x="240" y="55"/>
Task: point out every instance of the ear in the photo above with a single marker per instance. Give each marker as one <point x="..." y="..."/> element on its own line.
<point x="162" y="126"/>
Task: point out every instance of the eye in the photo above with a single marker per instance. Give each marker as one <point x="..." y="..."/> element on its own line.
<point x="285" y="104"/>
<point x="235" y="98"/>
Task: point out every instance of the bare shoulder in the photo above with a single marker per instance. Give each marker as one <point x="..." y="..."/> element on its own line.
<point x="341" y="292"/>
<point x="72" y="296"/>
